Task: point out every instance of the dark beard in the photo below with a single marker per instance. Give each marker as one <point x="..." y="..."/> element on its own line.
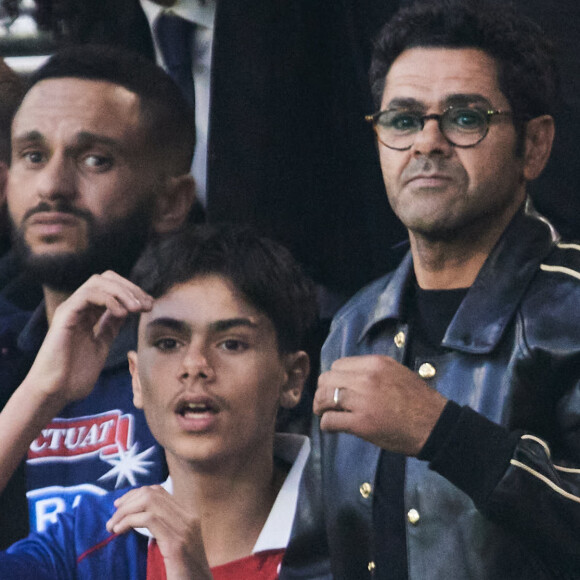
<point x="115" y="246"/>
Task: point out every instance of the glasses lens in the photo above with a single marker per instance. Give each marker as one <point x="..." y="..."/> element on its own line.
<point x="464" y="127"/>
<point x="397" y="129"/>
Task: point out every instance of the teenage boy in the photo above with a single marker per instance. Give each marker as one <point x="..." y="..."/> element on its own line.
<point x="223" y="315"/>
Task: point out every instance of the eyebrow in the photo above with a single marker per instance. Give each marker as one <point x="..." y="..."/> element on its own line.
<point x="28" y="137"/>
<point x="229" y="323"/>
<point x="400" y="103"/>
<point x="455" y="100"/>
<point x="86" y="138"/>
<point x="169" y="324"/>
<point x="466" y="99"/>
<point x="215" y="326"/>
<point x="82" y="139"/>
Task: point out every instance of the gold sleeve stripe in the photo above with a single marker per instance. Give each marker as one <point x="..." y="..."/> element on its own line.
<point x="567" y="469"/>
<point x="560" y="269"/>
<point x="547" y="481"/>
<point x="569" y="246"/>
<point x="539" y="442"/>
<point x="549" y="454"/>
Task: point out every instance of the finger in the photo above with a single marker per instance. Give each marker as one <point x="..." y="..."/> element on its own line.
<point x="155" y="510"/>
<point x="130" y="521"/>
<point x="131" y="502"/>
<point x="339" y="421"/>
<point x="139" y="498"/>
<point x="144" y="498"/>
<point x="125" y="292"/>
<point x="115" y="294"/>
<point x="327" y="397"/>
<point x="139" y="295"/>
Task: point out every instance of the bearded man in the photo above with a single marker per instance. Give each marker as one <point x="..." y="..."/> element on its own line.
<point x="101" y="151"/>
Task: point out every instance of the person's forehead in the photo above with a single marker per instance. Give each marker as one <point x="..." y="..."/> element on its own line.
<point x="432" y="75"/>
<point x="78" y="102"/>
<point x="202" y="301"/>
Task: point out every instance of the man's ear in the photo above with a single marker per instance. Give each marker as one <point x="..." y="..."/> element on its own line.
<point x="134" y="370"/>
<point x="297" y="371"/>
<point x="539" y="137"/>
<point x="173" y="207"/>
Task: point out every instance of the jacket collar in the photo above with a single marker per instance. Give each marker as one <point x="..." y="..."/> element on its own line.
<point x="493" y="298"/>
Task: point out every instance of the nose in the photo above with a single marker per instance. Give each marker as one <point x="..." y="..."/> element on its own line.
<point x="431" y="141"/>
<point x="196" y="364"/>
<point x="56" y="180"/>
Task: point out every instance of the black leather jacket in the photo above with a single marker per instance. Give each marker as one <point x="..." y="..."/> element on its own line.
<point x="513" y="355"/>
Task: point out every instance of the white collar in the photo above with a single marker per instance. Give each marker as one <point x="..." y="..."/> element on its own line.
<point x="193" y="10"/>
<point x="276" y="531"/>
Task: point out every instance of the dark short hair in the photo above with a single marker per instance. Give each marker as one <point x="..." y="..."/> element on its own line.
<point x="263" y="271"/>
<point x="167" y="115"/>
<point x="527" y="71"/>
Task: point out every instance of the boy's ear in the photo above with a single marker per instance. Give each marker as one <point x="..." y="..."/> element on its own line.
<point x="134" y="370"/>
<point x="297" y="371"/>
<point x="173" y="206"/>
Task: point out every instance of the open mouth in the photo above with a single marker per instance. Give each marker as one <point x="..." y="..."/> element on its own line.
<point x="190" y="410"/>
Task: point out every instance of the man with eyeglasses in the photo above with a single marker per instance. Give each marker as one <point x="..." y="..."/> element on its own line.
<point x="449" y="402"/>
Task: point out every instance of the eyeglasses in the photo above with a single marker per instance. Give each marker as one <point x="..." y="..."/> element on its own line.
<point x="461" y="126"/>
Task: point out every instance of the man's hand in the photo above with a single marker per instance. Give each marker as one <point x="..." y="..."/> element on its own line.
<point x="68" y="362"/>
<point x="177" y="532"/>
<point x="81" y="333"/>
<point x="377" y="399"/>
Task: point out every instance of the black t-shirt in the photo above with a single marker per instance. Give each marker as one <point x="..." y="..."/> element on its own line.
<point x="429" y="313"/>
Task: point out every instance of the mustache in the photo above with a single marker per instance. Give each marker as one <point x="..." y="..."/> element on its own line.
<point x="60" y="207"/>
<point x="422" y="166"/>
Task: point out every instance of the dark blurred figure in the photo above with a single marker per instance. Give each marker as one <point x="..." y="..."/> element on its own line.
<point x="10" y="7"/>
<point x="11" y="93"/>
<point x="555" y="193"/>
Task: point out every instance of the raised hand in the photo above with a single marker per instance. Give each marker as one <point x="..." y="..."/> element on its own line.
<point x="81" y="333"/>
<point x="69" y="361"/>
<point x="377" y="399"/>
<point x="176" y="531"/>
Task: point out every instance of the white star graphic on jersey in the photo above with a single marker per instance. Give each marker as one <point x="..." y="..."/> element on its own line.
<point x="126" y="464"/>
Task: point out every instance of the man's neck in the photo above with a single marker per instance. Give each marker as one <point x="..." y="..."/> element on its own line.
<point x="442" y="266"/>
<point x="52" y="299"/>
<point x="455" y="262"/>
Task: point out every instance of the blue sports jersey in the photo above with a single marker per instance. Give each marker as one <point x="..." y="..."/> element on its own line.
<point x="94" y="446"/>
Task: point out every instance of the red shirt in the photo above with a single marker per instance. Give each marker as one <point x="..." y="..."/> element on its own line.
<point x="260" y="566"/>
